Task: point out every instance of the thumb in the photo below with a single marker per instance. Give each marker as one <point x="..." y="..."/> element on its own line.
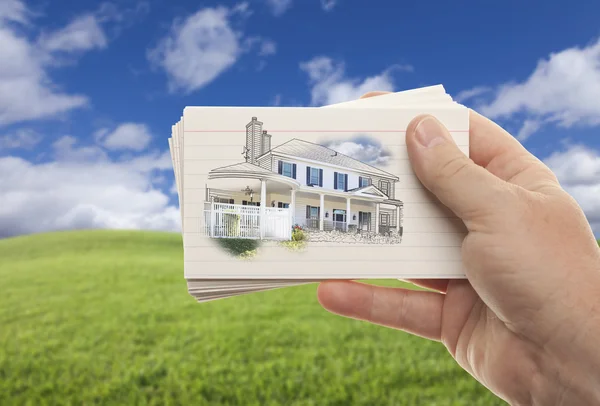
<point x="466" y="188"/>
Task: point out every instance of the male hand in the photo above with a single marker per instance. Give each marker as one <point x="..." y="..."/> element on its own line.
<point x="526" y="322"/>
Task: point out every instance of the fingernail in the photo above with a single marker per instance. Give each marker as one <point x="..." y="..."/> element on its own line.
<point x="429" y="132"/>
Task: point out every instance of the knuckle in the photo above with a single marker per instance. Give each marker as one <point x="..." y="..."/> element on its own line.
<point x="449" y="170"/>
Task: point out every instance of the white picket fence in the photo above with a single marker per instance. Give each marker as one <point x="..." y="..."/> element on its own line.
<point x="278" y="223"/>
<point x="223" y="220"/>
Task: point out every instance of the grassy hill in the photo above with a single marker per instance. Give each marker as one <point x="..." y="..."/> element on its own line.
<point x="103" y="317"/>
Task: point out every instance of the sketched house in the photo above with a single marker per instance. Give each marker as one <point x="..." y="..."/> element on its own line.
<point x="298" y="183"/>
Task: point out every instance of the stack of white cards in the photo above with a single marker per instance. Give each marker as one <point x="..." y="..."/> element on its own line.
<point x="281" y="196"/>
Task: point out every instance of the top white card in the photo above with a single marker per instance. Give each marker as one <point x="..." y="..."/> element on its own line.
<point x="309" y="193"/>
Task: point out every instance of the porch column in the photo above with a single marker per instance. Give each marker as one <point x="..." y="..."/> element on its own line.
<point x="263" y="202"/>
<point x="293" y="206"/>
<point x="348" y="217"/>
<point x="398" y="218"/>
<point x="377" y="218"/>
<point x="212" y="219"/>
<point x="322" y="212"/>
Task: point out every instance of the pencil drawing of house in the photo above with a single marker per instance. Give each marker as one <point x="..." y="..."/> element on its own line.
<point x="299" y="183"/>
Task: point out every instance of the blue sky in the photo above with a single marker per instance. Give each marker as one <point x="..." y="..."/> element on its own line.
<point x="89" y="90"/>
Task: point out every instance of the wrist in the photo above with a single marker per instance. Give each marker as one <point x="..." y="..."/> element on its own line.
<point x="569" y="371"/>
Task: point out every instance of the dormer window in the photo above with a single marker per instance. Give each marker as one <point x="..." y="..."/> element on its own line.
<point x="384" y="186"/>
<point x="363" y="182"/>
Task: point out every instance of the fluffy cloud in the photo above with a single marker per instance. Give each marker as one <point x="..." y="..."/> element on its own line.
<point x="278" y="7"/>
<point x="83" y="188"/>
<point x="563" y="89"/>
<point x="528" y="128"/>
<point x="203" y="46"/>
<point x="82" y="34"/>
<point x="267" y="48"/>
<point x="13" y="10"/>
<point x="471" y="93"/>
<point x="23" y="138"/>
<point x="328" y="5"/>
<point x="578" y="169"/>
<point x="362" y="148"/>
<point x="132" y="136"/>
<point x="26" y="90"/>
<point x="329" y="83"/>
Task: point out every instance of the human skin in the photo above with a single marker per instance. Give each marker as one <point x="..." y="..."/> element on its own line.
<point x="526" y="321"/>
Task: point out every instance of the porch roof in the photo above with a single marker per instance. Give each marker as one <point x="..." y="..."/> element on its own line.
<point x="394" y="202"/>
<point x="250" y="171"/>
<point x="354" y="194"/>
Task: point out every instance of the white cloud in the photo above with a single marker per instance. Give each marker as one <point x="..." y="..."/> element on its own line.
<point x="198" y="49"/>
<point x="81" y="34"/>
<point x="328" y="5"/>
<point x="132" y="136"/>
<point x="578" y="170"/>
<point x="563" y="89"/>
<point x="365" y="150"/>
<point x="84" y="188"/>
<point x="22" y="138"/>
<point x="471" y="93"/>
<point x="529" y="127"/>
<point x="13" y="10"/>
<point x="329" y="83"/>
<point x="26" y="90"/>
<point x="267" y="47"/>
<point x="279" y="7"/>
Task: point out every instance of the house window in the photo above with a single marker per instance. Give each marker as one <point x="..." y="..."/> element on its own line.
<point x="314" y="176"/>
<point x="247" y="203"/>
<point x="384" y="186"/>
<point x="384" y="219"/>
<point x="286" y="169"/>
<point x="341" y="181"/>
<point x="364" y="182"/>
<point x="223" y="200"/>
<point x="313" y="212"/>
<point x="282" y="205"/>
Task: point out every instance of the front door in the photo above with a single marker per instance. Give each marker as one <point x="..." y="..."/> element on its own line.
<point x="364" y="221"/>
<point x="339" y="219"/>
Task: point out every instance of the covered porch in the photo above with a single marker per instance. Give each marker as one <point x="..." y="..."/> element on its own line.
<point x="240" y="206"/>
<point x="367" y="210"/>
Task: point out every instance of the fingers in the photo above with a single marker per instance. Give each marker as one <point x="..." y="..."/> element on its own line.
<point x="373" y="94"/>
<point x="464" y="187"/>
<point x="417" y="312"/>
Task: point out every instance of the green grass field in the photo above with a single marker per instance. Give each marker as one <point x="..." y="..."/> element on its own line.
<point x="103" y="317"/>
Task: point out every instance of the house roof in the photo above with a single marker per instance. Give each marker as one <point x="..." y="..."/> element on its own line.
<point x="242" y="167"/>
<point x="368" y="187"/>
<point x="251" y="171"/>
<point x="316" y="152"/>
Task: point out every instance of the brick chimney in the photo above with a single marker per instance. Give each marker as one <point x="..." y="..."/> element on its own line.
<point x="266" y="142"/>
<point x="254" y="140"/>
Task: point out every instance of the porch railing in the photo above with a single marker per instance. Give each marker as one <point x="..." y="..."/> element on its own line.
<point x="223" y="220"/>
<point x="330" y="225"/>
<point x="232" y="221"/>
